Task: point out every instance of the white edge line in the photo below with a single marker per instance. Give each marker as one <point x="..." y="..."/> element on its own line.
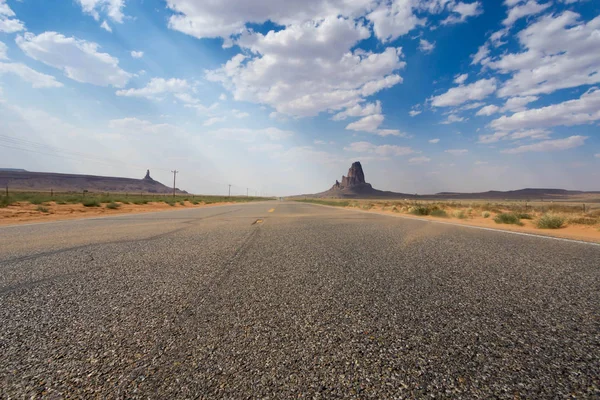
<point x="83" y="219"/>
<point x="461" y="225"/>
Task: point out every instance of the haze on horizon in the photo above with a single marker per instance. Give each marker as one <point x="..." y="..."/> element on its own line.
<point x="430" y="95"/>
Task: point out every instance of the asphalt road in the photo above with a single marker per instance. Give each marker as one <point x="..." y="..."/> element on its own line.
<point x="312" y="302"/>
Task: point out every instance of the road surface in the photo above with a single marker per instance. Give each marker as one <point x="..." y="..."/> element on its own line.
<point x="283" y="299"/>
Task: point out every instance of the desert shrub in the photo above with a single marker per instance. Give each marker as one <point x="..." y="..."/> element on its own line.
<point x="395" y="209"/>
<point x="5" y="201"/>
<point x="195" y="202"/>
<point x="419" y="210"/>
<point x="485" y="214"/>
<point x="140" y="202"/>
<point x="113" y="206"/>
<point x="550" y="221"/>
<point x="171" y="203"/>
<point x="508" y="218"/>
<point x="61" y="202"/>
<point x="91" y="203"/>
<point x="523" y="216"/>
<point x="583" y="220"/>
<point x="439" y="213"/>
<point x="182" y="203"/>
<point x="43" y="209"/>
<point x="459" y="214"/>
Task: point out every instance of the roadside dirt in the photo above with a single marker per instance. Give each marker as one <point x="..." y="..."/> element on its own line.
<point x="20" y="213"/>
<point x="575" y="232"/>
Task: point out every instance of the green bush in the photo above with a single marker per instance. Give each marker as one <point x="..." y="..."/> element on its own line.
<point x="5" y="201"/>
<point x="460" y="214"/>
<point x="523" y="216"/>
<point x="550" y="221"/>
<point x="485" y="214"/>
<point x="182" y="203"/>
<point x="43" y="209"/>
<point x="195" y="202"/>
<point x="439" y="213"/>
<point x="583" y="220"/>
<point x="113" y="206"/>
<point x="508" y="218"/>
<point x="91" y="203"/>
<point x="419" y="210"/>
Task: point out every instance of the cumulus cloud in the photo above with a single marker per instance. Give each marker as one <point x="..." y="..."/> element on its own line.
<point x="35" y="78"/>
<point x="580" y="111"/>
<point x="559" y="51"/>
<point x="137" y="54"/>
<point x="549" y="145"/>
<point x="80" y="60"/>
<point x="371" y="124"/>
<point x="307" y="69"/>
<point x="9" y="24"/>
<point x="523" y="10"/>
<point x="394" y="19"/>
<point x="461" y="11"/>
<point x="434" y="141"/>
<point x="460" y="79"/>
<point x="359" y="110"/>
<point x="104" y="25"/>
<point x="452" y="118"/>
<point x="488" y="110"/>
<point x="381" y="150"/>
<point x="112" y="8"/>
<point x="425" y="46"/>
<point x="213" y="120"/>
<point x="127" y="126"/>
<point x="519" y="135"/>
<point x="461" y="94"/>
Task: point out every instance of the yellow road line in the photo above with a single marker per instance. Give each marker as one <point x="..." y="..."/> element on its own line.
<point x="271" y="210"/>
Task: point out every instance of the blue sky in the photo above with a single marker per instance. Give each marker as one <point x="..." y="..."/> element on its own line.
<point x="281" y="97"/>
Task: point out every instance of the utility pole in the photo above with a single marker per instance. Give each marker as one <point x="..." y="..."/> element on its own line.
<point x="175" y="172"/>
<point x="229" y="195"/>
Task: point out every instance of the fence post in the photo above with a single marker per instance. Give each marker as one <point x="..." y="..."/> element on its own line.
<point x="584" y="208"/>
<point x="7" y="190"/>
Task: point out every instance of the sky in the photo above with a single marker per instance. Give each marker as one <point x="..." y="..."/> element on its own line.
<point x="280" y="97"/>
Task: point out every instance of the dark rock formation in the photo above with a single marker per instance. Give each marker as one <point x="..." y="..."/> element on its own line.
<point x="148" y="177"/>
<point x="356" y="176"/>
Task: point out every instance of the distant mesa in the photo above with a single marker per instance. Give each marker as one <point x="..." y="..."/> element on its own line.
<point x="45" y="181"/>
<point x="355" y="186"/>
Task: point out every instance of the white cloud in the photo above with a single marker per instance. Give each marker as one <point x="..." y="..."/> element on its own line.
<point x="78" y="59"/>
<point x="223" y="97"/>
<point x="434" y="141"/>
<point x="414" y="113"/>
<point x="371" y="124"/>
<point x="8" y="24"/>
<point x="530" y="8"/>
<point x="160" y="86"/>
<point x="382" y="150"/>
<point x="464" y="11"/>
<point x="460" y="79"/>
<point x="580" y="111"/>
<point x="488" y="110"/>
<point x="250" y="135"/>
<point x="419" y="160"/>
<point x="482" y="56"/>
<point x="307" y="69"/>
<point x="481" y="162"/>
<point x="461" y="94"/>
<point x="266" y="147"/>
<point x="457" y="152"/>
<point x="104" y="25"/>
<point x="519" y="135"/>
<point x="137" y="54"/>
<point x="319" y="141"/>
<point x="3" y="51"/>
<point x="112" y="8"/>
<point x="452" y="118"/>
<point x="213" y="120"/>
<point x="560" y="52"/>
<point x="425" y="46"/>
<point x="37" y="79"/>
<point x="239" y="114"/>
<point x="359" y="110"/>
<point x="549" y="145"/>
<point x="394" y="19"/>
